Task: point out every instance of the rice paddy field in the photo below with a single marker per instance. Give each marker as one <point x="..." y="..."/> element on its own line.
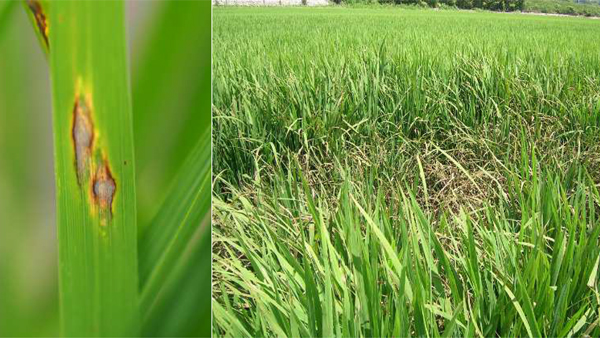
<point x="385" y="172"/>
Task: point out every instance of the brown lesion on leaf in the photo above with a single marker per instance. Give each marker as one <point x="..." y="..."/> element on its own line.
<point x="40" y="19"/>
<point x="104" y="187"/>
<point x="93" y="169"/>
<point x="83" y="136"/>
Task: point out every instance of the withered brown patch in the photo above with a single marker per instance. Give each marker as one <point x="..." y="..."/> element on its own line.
<point x="83" y="136"/>
<point x="104" y="188"/>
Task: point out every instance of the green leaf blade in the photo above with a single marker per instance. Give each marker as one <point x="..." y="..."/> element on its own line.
<point x="184" y="213"/>
<point x="94" y="168"/>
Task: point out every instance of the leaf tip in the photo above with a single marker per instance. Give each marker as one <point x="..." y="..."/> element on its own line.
<point x="41" y="19"/>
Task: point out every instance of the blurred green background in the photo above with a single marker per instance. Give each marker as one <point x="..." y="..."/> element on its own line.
<point x="169" y="46"/>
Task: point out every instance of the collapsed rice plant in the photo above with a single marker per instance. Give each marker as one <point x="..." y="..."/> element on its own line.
<point x="389" y="172"/>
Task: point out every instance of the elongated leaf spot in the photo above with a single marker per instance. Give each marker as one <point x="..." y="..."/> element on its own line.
<point x="104" y="188"/>
<point x="40" y="19"/>
<point x="83" y="137"/>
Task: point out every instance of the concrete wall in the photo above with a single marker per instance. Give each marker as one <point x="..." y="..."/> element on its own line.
<point x="270" y="2"/>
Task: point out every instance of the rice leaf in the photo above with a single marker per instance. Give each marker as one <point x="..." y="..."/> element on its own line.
<point x="94" y="167"/>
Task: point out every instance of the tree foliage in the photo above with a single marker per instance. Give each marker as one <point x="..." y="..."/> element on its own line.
<point x="493" y="5"/>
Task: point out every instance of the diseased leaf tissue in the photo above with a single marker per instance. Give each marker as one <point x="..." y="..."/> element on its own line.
<point x="103" y="186"/>
<point x="40" y="19"/>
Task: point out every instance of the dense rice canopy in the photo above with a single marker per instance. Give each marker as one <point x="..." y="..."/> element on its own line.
<point x="394" y="172"/>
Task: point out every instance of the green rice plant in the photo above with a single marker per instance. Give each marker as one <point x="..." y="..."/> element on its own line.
<point x="178" y="49"/>
<point x="184" y="214"/>
<point x="19" y="203"/>
<point x="94" y="166"/>
<point x="382" y="172"/>
<point x="175" y="254"/>
<point x="102" y="245"/>
<point x="386" y="267"/>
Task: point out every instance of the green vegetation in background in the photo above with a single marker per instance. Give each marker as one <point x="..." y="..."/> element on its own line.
<point x="437" y="180"/>
<point x="180" y="279"/>
<point x="565" y="7"/>
<point x="492" y="5"/>
<point x="171" y="92"/>
<point x="176" y="64"/>
<point x="175" y="254"/>
<point x="562" y="7"/>
<point x="6" y="8"/>
<point x="28" y="267"/>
